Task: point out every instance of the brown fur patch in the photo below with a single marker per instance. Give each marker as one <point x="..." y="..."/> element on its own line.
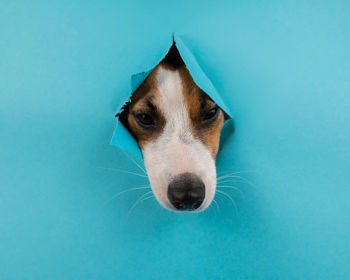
<point x="196" y="101"/>
<point x="140" y="102"/>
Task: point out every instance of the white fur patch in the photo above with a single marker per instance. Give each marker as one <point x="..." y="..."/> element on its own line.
<point x="176" y="151"/>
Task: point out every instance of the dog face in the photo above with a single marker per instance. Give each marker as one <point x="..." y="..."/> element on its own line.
<point x="177" y="126"/>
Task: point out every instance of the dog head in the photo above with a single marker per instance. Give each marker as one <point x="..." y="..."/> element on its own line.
<point x="177" y="127"/>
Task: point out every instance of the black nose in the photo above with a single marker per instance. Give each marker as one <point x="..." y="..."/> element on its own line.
<point x="186" y="191"/>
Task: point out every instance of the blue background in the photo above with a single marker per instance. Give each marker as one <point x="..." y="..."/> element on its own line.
<point x="284" y="69"/>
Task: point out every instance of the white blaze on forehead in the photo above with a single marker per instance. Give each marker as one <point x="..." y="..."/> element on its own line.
<point x="172" y="101"/>
<point x="176" y="150"/>
<point x="177" y="131"/>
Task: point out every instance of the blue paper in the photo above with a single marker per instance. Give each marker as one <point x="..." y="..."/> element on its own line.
<point x="281" y="67"/>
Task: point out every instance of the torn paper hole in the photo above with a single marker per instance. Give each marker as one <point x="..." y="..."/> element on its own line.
<point x="123" y="139"/>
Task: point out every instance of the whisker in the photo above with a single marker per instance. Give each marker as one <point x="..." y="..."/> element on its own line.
<point x="230" y="176"/>
<point x="233" y="180"/>
<point x="229" y="197"/>
<point x="212" y="207"/>
<point x="124" y="171"/>
<point x="138" y="165"/>
<point x="229" y="187"/>
<point x="232" y="187"/>
<point x="140" y="200"/>
<point x="221" y="182"/>
<point x="226" y="173"/>
<point x="134" y="161"/>
<point x="225" y="180"/>
<point x="235" y="172"/>
<point x="216" y="205"/>
<point x="125" y="191"/>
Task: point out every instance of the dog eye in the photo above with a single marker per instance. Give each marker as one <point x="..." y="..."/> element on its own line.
<point x="211" y="114"/>
<point x="144" y="120"/>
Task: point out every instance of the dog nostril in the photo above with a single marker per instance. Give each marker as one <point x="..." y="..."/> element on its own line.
<point x="179" y="205"/>
<point x="186" y="192"/>
<point x="197" y="204"/>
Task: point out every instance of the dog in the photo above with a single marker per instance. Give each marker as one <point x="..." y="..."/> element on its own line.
<point x="177" y="127"/>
